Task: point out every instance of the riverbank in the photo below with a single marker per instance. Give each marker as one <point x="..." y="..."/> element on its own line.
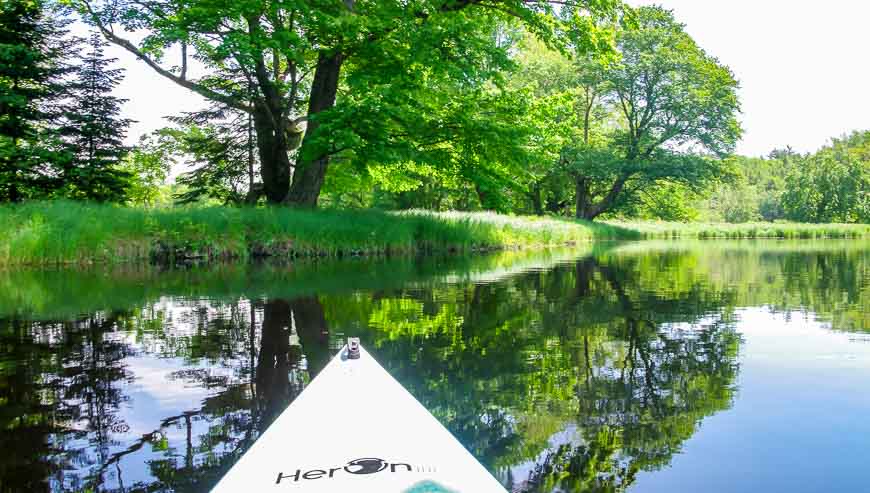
<point x="62" y="232"/>
<point x="777" y="230"/>
<point x="44" y="233"/>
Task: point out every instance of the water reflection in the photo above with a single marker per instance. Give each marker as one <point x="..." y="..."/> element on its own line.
<point x="571" y="372"/>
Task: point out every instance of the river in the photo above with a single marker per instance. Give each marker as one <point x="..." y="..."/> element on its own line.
<point x="649" y="366"/>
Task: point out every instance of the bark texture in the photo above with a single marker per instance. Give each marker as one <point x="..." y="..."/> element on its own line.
<point x="313" y="158"/>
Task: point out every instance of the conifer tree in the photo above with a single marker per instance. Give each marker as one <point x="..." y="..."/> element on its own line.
<point x="33" y="54"/>
<point x="218" y="144"/>
<point x="94" y="131"/>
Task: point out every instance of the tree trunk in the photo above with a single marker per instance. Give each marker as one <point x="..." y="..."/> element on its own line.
<point x="535" y="195"/>
<point x="482" y="197"/>
<point x="581" y="196"/>
<point x="272" y="148"/>
<point x="250" y="145"/>
<point x="313" y="158"/>
<point x="13" y="194"/>
<point x="589" y="211"/>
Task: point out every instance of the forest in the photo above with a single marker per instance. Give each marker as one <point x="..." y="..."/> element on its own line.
<point x="591" y="110"/>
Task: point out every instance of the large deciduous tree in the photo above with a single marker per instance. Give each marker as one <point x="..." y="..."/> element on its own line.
<point x="285" y="63"/>
<point x="675" y="112"/>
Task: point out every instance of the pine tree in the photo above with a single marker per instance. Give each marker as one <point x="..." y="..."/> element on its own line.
<point x="94" y="131"/>
<point x="218" y="144"/>
<point x="33" y="53"/>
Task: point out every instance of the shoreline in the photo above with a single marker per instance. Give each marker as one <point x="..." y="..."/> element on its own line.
<point x="75" y="233"/>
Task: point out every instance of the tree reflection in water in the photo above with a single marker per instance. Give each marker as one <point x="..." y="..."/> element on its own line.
<point x="570" y="378"/>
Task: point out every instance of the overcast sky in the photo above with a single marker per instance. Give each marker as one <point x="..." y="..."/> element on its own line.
<point x="803" y="65"/>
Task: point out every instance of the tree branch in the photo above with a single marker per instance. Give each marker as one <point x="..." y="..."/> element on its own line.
<point x="183" y="60"/>
<point x="182" y="81"/>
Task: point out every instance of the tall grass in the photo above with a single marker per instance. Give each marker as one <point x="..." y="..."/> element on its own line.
<point x="779" y="230"/>
<point x="61" y="232"/>
<point x="75" y="232"/>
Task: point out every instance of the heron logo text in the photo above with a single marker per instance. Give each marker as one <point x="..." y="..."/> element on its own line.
<point x="366" y="465"/>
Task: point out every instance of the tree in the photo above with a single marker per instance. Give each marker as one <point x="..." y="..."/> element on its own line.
<point x="831" y="185"/>
<point x="292" y="58"/>
<point x="676" y="110"/>
<point x="566" y="111"/>
<point x="219" y="147"/>
<point x="149" y="164"/>
<point x="93" y="130"/>
<point x="32" y="66"/>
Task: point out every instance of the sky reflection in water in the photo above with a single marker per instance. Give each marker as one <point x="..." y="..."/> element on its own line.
<point x="651" y="366"/>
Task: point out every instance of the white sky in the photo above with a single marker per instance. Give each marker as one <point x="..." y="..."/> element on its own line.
<point x="804" y="68"/>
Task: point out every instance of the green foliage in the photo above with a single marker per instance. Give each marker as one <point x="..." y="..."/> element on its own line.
<point x="415" y="78"/>
<point x="219" y="149"/>
<point x="33" y="62"/>
<point x="667" y="201"/>
<point x="783" y="230"/>
<point x="216" y="148"/>
<point x="634" y="132"/>
<point x="93" y="131"/>
<point x="70" y="232"/>
<point x="220" y="170"/>
<point x="829" y="185"/>
<point x="149" y="164"/>
<point x="675" y="102"/>
<point x="751" y="191"/>
<point x="590" y="108"/>
<point x="61" y="134"/>
<point x="568" y="119"/>
<point x="832" y="185"/>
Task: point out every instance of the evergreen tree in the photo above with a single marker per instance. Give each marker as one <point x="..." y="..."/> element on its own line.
<point x="218" y="145"/>
<point x="94" y="131"/>
<point x="33" y="53"/>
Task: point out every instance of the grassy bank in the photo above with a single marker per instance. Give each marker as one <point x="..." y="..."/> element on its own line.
<point x="778" y="230"/>
<point x="41" y="233"/>
<point x="70" y="232"/>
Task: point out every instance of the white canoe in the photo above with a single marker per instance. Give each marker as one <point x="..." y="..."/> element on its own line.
<point x="356" y="429"/>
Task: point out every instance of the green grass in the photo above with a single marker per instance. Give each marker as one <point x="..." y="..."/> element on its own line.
<point x="780" y="230"/>
<point x="63" y="232"/>
<point x="59" y="232"/>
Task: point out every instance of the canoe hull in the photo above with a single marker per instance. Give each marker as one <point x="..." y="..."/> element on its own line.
<point x="356" y="429"/>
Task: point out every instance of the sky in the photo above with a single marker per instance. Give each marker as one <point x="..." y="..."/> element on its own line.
<point x="803" y="66"/>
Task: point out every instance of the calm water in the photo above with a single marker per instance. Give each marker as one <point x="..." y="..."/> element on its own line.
<point x="648" y="367"/>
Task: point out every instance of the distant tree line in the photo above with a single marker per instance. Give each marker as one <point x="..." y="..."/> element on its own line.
<point x="830" y="185"/>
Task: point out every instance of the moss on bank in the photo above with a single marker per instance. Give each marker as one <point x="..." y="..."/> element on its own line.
<point x="75" y="232"/>
<point x="43" y="233"/>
